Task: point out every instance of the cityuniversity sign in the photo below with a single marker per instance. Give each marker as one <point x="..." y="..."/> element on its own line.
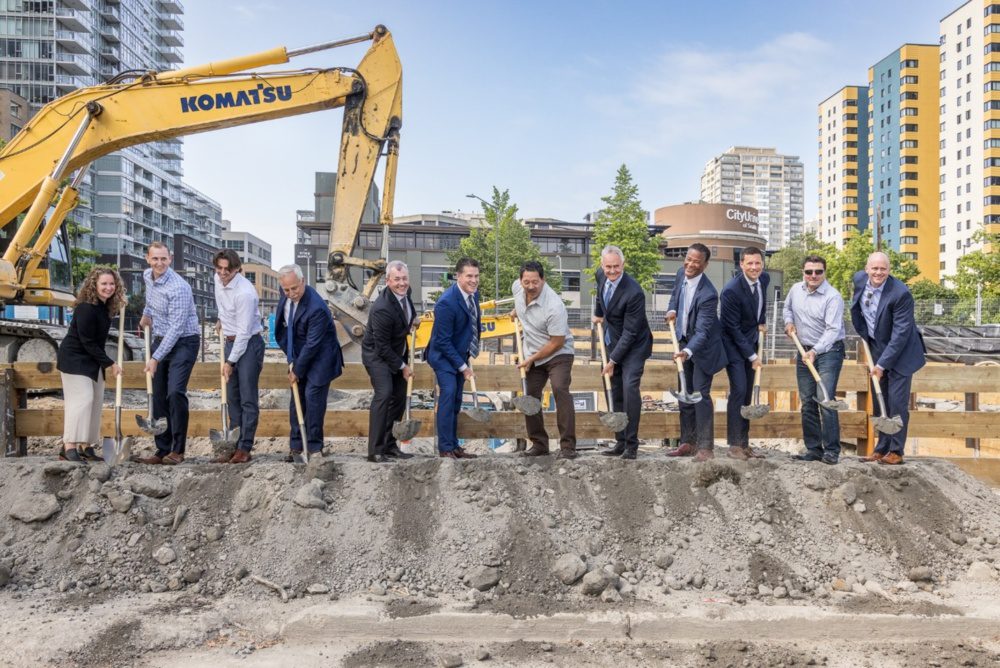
<point x="745" y="219"/>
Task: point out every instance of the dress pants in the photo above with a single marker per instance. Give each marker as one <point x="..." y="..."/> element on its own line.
<point x="741" y="375"/>
<point x="170" y="393"/>
<point x="387" y="407"/>
<point x="558" y="371"/>
<point x="627" y="398"/>
<point x="820" y="426"/>
<point x="896" y="393"/>
<point x="313" y="398"/>
<point x="450" y="384"/>
<point x="698" y="420"/>
<point x="242" y="397"/>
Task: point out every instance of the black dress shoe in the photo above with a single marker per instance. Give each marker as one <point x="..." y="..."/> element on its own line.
<point x="396" y="453"/>
<point x="380" y="459"/>
<point x="616" y="451"/>
<point x="629" y="454"/>
<point x="533" y="452"/>
<point x="565" y="453"/>
<point x="808" y="457"/>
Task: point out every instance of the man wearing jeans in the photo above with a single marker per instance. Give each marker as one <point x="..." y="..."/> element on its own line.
<point x="814" y="311"/>
<point x="170" y="312"/>
<point x="239" y="322"/>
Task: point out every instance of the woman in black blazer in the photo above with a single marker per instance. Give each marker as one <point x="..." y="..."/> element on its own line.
<point x="82" y="362"/>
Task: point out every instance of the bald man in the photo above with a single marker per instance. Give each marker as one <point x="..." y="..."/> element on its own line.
<point x="882" y="313"/>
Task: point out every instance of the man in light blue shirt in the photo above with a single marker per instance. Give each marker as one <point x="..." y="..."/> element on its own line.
<point x="239" y="322"/>
<point x="814" y="311"/>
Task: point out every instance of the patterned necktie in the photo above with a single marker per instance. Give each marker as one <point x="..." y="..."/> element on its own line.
<point x="609" y="291"/>
<point x="474" y="342"/>
<point x="291" y="319"/>
<point x="756" y="297"/>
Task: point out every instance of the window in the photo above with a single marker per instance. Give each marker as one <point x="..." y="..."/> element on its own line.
<point x="368" y="239"/>
<point x="908" y="143"/>
<point x="908" y="224"/>
<point x="908" y="63"/>
<point x="570" y="280"/>
<point x="910" y="79"/>
<point x="908" y="111"/>
<point x="433" y="277"/>
<point x="435" y="241"/>
<point x="908" y="208"/>
<point x="908" y="241"/>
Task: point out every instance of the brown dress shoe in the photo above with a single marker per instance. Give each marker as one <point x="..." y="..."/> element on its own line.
<point x="173" y="459"/>
<point x="704" y="454"/>
<point x="873" y="457"/>
<point x="891" y="459"/>
<point x="738" y="452"/>
<point x="566" y="453"/>
<point x="685" y="450"/>
<point x="151" y="460"/>
<point x="448" y="455"/>
<point x="533" y="452"/>
<point x="223" y="458"/>
<point x="462" y="454"/>
<point x="753" y="454"/>
<point x="240" y="457"/>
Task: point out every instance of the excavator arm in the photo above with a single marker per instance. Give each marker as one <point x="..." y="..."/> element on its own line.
<point x="69" y="133"/>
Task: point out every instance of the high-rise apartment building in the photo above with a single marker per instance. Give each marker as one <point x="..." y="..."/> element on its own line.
<point x="765" y="180"/>
<point x="49" y="48"/>
<point x="843" y="165"/>
<point x="251" y="248"/>
<point x="903" y="141"/>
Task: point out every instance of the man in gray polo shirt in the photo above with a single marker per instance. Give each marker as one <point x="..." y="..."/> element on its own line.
<point x="548" y="356"/>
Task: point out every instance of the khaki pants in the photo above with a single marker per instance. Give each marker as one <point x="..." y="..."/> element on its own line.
<point x="558" y="371"/>
<point x="82" y="400"/>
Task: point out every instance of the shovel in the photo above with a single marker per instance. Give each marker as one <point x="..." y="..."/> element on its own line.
<point x="302" y="458"/>
<point x="224" y="440"/>
<point x="476" y="413"/>
<point x="683" y="396"/>
<point x="525" y="403"/>
<point x="756" y="409"/>
<point x="148" y="424"/>
<point x="832" y="404"/>
<point x="405" y="429"/>
<point x="613" y="421"/>
<point x="119" y="450"/>
<point x="884" y="424"/>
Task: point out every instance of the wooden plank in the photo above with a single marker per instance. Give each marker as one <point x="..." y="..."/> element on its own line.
<point x="654" y="425"/>
<point x="9" y="402"/>
<point x="956" y="378"/>
<point x="954" y="424"/>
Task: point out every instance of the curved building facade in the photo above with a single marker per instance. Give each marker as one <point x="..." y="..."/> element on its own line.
<point x="725" y="228"/>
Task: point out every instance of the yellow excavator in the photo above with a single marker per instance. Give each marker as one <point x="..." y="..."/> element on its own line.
<point x="69" y="133"/>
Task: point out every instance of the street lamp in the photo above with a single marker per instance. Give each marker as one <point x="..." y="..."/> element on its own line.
<point x="307" y="256"/>
<point x="496" y="246"/>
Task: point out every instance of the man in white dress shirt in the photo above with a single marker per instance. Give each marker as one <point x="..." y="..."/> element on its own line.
<point x="240" y="322"/>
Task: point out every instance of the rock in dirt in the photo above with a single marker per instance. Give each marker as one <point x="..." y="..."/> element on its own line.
<point x="193" y="574"/>
<point x="839" y="584"/>
<point x="980" y="571"/>
<point x="99" y="471"/>
<point x="59" y="468"/>
<point x="921" y="574"/>
<point x="120" y="500"/>
<point x="451" y="661"/>
<point x="569" y="568"/>
<point x="35" y="508"/>
<point x="958" y="538"/>
<point x="664" y="560"/>
<point x="317" y="589"/>
<point x="611" y="595"/>
<point x="595" y="582"/>
<point x="849" y="492"/>
<point x="148" y="484"/>
<point x="213" y="533"/>
<point x="4" y="575"/>
<point x="310" y="495"/>
<point x="164" y="555"/>
<point x="482" y="578"/>
<point x="482" y="654"/>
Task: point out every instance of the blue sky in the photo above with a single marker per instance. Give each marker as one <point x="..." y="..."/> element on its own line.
<point x="545" y="99"/>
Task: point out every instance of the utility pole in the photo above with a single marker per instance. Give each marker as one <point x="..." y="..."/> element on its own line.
<point x="496" y="246"/>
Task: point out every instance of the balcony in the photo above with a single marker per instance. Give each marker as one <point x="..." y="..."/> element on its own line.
<point x="111" y="14"/>
<point x="76" y="4"/>
<point x="171" y="22"/>
<point x="74" y="20"/>
<point x="171" y="150"/>
<point x="110" y="33"/>
<point x="171" y="6"/>
<point x="108" y="72"/>
<point x="110" y="53"/>
<point x="171" y="55"/>
<point x="171" y="39"/>
<point x="66" y="83"/>
<point x="70" y="41"/>
<point x="72" y="63"/>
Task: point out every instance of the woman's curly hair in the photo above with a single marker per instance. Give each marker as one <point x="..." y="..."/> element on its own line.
<point x="88" y="291"/>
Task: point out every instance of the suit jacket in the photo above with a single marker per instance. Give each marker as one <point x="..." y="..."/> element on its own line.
<point x="739" y="316"/>
<point x="317" y="357"/>
<point x="448" y="349"/>
<point x="702" y="333"/>
<point x="625" y="320"/>
<point x="385" y="339"/>
<point x="896" y="342"/>
<point x="82" y="352"/>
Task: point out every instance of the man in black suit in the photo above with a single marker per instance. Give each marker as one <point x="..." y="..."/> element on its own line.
<point x="694" y="306"/>
<point x="384" y="354"/>
<point x="744" y="314"/>
<point x="621" y="305"/>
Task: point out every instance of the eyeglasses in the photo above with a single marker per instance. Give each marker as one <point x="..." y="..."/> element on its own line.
<point x="868" y="299"/>
<point x="813" y="272"/>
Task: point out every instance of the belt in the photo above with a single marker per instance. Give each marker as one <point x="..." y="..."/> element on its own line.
<point x="230" y="338"/>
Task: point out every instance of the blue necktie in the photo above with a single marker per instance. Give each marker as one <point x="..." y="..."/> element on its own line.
<point x="609" y="291"/>
<point x="291" y="347"/>
<point x="474" y="343"/>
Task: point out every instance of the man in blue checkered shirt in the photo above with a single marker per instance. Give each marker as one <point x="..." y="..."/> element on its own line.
<point x="170" y="312"/>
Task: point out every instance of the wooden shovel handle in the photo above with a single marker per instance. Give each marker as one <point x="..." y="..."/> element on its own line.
<point x="677" y="346"/>
<point x="604" y="357"/>
<point x="149" y="355"/>
<point x="871" y="367"/>
<point x="760" y="358"/>
<point x="805" y="360"/>
<point x="222" y="365"/>
<point x="121" y="356"/>
<point x="520" y="348"/>
<point x="298" y="405"/>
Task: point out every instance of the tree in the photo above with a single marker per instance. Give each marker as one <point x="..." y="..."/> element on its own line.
<point x="82" y="259"/>
<point x="622" y="223"/>
<point x="980" y="268"/>
<point x="515" y="248"/>
<point x="925" y="289"/>
<point x="789" y="259"/>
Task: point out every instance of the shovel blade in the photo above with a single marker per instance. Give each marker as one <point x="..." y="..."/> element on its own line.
<point x="123" y="451"/>
<point x="691" y="398"/>
<point x="151" y="426"/>
<point x="834" y="404"/>
<point x="527" y="404"/>
<point x="404" y="430"/>
<point x="614" y="421"/>
<point x="889" y="426"/>
<point x="754" y="411"/>
<point x="478" y="414"/>
<point x="108" y="450"/>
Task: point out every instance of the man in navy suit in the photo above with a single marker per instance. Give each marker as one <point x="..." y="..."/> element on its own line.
<point x="384" y="353"/>
<point x="454" y="342"/>
<point x="744" y="311"/>
<point x="693" y="307"/>
<point x="313" y="352"/>
<point x="882" y="313"/>
<point x="620" y="304"/>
